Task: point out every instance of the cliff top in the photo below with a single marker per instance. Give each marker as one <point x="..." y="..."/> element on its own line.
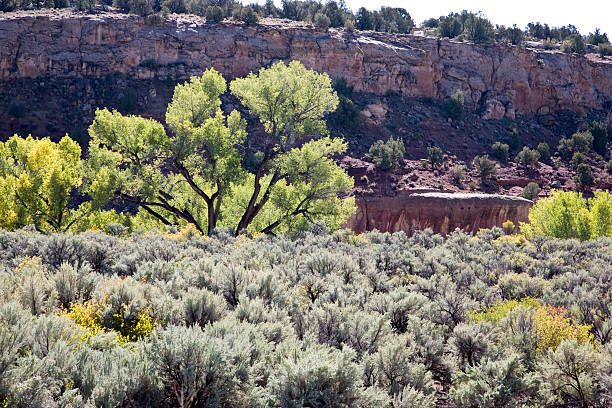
<point x="193" y="21"/>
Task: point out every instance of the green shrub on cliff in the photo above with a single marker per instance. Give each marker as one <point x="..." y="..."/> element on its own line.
<point x="214" y="14"/>
<point x="604" y="50"/>
<point x="321" y="21"/>
<point x="484" y="166"/>
<point x="584" y="175"/>
<point x="531" y="191"/>
<point x="500" y="151"/>
<point x="346" y="114"/>
<point x="579" y="142"/>
<point x="248" y="16"/>
<point x="544" y="151"/>
<point x="454" y="106"/>
<point x="388" y="155"/>
<point x="527" y="157"/>
<point x="575" y="44"/>
<point x="435" y="155"/>
<point x="600" y="137"/>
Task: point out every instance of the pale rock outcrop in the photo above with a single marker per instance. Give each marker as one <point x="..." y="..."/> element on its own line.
<point x="442" y="212"/>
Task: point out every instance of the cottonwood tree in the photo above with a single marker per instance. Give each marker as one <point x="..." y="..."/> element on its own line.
<point x="37" y="180"/>
<point x="202" y="171"/>
<point x="183" y="176"/>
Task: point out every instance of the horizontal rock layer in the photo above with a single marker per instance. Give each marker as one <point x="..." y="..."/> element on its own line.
<point x="499" y="79"/>
<point x="442" y="212"/>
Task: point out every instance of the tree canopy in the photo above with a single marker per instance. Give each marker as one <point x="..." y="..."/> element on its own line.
<point x="566" y="214"/>
<point x="202" y="171"/>
<point x="37" y="179"/>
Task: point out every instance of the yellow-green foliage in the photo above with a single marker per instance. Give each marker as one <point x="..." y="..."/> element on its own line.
<point x="516" y="239"/>
<point x="508" y="227"/>
<point x="551" y="323"/>
<point x="86" y="315"/>
<point x="37" y="178"/>
<point x="89" y="316"/>
<point x="566" y="214"/>
<point x="501" y="308"/>
<point x="553" y="327"/>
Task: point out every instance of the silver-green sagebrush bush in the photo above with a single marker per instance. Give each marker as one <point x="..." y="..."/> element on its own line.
<point x="501" y="383"/>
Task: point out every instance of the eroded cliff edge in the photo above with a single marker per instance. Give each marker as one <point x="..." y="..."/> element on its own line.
<point x="442" y="212"/>
<point x="502" y="80"/>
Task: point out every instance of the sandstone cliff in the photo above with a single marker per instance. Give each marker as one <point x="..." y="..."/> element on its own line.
<point x="498" y="79"/>
<point x="442" y="212"/>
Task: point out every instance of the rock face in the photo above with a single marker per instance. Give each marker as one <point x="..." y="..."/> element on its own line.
<point x="498" y="79"/>
<point x="442" y="212"/>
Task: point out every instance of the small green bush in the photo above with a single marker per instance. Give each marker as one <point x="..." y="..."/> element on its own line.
<point x="584" y="175"/>
<point x="575" y="44"/>
<point x="579" y="142"/>
<point x="214" y="14"/>
<point x="388" y="155"/>
<point x="500" y="151"/>
<point x="527" y="157"/>
<point x="604" y="50"/>
<point x="248" y="16"/>
<point x="449" y="27"/>
<point x="478" y="29"/>
<point x="531" y="191"/>
<point x="454" y="106"/>
<point x="435" y="155"/>
<point x="599" y="131"/>
<point x="513" y="35"/>
<point x="544" y="151"/>
<point x="597" y="37"/>
<point x="173" y="6"/>
<point x="513" y="141"/>
<point x="322" y="21"/>
<point x="577" y="159"/>
<point x="484" y="166"/>
<point x="347" y="113"/>
<point x="457" y="173"/>
<point x="349" y="26"/>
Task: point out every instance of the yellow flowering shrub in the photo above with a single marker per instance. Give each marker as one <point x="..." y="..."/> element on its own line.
<point x="551" y="323"/>
<point x="501" y="308"/>
<point x="515" y="239"/>
<point x="186" y="233"/>
<point x="88" y="315"/>
<point x="553" y="327"/>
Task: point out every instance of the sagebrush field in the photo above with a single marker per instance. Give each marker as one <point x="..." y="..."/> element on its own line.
<point x="176" y="319"/>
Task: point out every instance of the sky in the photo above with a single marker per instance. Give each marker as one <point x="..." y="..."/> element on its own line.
<point x="586" y="15"/>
